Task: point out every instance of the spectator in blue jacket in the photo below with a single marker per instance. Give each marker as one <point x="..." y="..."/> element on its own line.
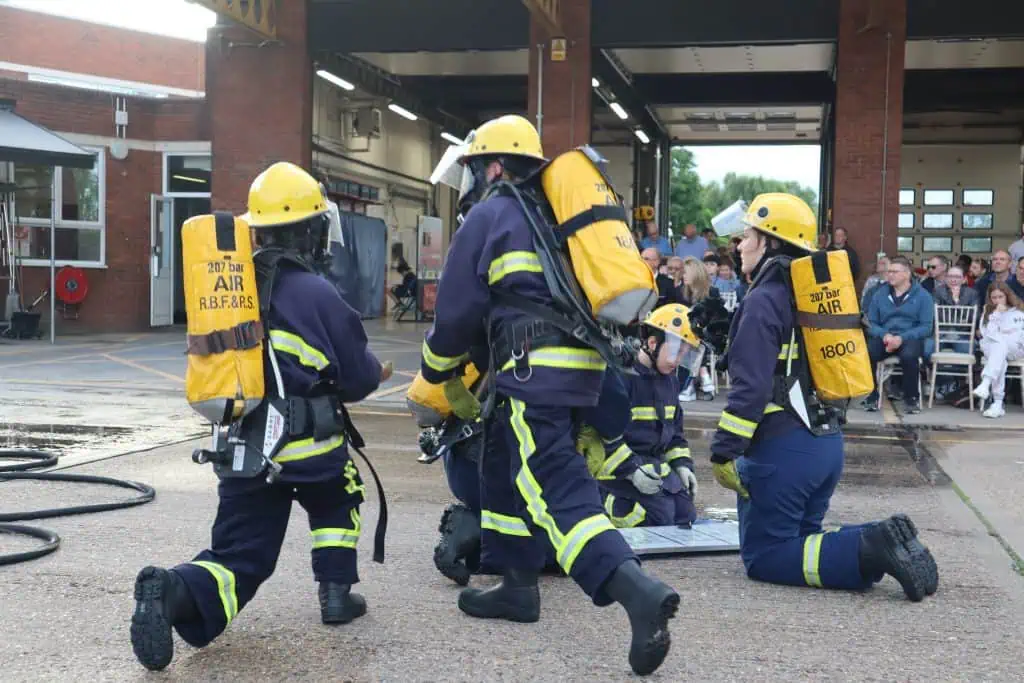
<point x="901" y="316"/>
<point x="653" y="240"/>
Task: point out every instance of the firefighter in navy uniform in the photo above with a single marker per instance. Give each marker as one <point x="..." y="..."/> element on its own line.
<point x="321" y="351"/>
<point x="783" y="469"/>
<point x="537" y="489"/>
<point x="457" y="554"/>
<point x="646" y="475"/>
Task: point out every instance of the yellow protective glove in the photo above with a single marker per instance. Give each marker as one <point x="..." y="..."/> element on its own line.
<point x="727" y="477"/>
<point x="464" y="404"/>
<point x="590" y="446"/>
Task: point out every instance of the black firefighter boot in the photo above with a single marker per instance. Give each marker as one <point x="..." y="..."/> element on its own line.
<point x="457" y="554"/>
<point x="161" y="600"/>
<point x="338" y="604"/>
<point x="649" y="603"/>
<point x="516" y="598"/>
<point x="884" y="548"/>
<point x="918" y="551"/>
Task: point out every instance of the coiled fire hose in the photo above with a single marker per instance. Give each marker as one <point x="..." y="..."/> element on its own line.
<point x="37" y="460"/>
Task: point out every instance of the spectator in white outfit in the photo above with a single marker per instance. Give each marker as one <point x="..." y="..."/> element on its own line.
<point x="1002" y="340"/>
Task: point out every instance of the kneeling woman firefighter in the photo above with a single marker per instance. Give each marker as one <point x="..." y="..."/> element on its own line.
<point x="782" y="450"/>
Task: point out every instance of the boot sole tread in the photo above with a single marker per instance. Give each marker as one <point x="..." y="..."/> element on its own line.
<point x="910" y="571"/>
<point x="151" y="637"/>
<point x="646" y="657"/>
<point x="920" y="555"/>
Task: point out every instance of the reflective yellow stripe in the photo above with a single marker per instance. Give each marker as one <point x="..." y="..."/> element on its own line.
<point x="772" y="408"/>
<point x="737" y="425"/>
<point x="619" y="456"/>
<point x="635" y="517"/>
<point x="441" y="363"/>
<point x="338" y="537"/>
<point x="293" y="344"/>
<point x="513" y="262"/>
<point x="567" y="357"/>
<point x="351" y="485"/>
<point x="664" y="470"/>
<point x="503" y="524"/>
<point x="225" y="579"/>
<point x="677" y="453"/>
<point x="812" y="556"/>
<point x="644" y="413"/>
<point x="784" y="352"/>
<point x="308" y="448"/>
<point x="567" y="546"/>
<point x="670" y="412"/>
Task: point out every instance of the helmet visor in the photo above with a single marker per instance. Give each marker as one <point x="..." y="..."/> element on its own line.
<point x="449" y="171"/>
<point x="676" y="353"/>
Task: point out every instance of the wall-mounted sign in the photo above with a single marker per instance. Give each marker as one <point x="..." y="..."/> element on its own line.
<point x="558" y="49"/>
<point x="258" y="15"/>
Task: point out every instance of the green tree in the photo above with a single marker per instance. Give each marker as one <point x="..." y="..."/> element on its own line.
<point x="716" y="196"/>
<point x="684" y="190"/>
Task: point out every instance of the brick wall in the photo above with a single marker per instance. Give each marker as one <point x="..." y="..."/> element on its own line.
<point x="118" y="297"/>
<point x="261" y="104"/>
<point x="52" y="42"/>
<point x="858" y="200"/>
<point x="566" y="113"/>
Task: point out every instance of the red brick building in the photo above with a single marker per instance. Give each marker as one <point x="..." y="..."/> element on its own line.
<point x="135" y="99"/>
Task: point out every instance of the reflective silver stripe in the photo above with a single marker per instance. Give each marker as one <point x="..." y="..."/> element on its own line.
<point x="618" y="457"/>
<point x="677" y="454"/>
<point x="563" y="357"/>
<point x="503" y="524"/>
<point x="440" y="363"/>
<point x="513" y="262"/>
<point x="308" y="448"/>
<point x="225" y="579"/>
<point x="737" y="425"/>
<point x="670" y="412"/>
<point x="644" y="413"/>
<point x="812" y="558"/>
<point x="294" y="345"/>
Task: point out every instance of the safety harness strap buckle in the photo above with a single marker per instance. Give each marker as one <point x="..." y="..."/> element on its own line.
<point x="241" y="337"/>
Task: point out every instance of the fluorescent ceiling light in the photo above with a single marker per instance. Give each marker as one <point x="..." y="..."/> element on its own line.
<point x="331" y="78"/>
<point x="452" y="139"/>
<point x="619" y="111"/>
<point x="641" y="135"/>
<point x="595" y="83"/>
<point x="189" y="179"/>
<point x="402" y="111"/>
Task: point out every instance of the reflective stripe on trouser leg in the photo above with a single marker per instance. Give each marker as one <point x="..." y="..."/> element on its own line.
<point x="561" y="497"/>
<point x="502" y="543"/>
<point x="251" y="521"/>
<point x="334" y="524"/>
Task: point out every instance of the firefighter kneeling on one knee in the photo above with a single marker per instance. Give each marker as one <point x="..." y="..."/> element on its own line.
<point x="780" y="447"/>
<point x="321" y="353"/>
<point x="536" y="490"/>
<point x="646" y="474"/>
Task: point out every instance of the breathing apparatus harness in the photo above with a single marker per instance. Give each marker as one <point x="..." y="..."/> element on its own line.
<point x="792" y="386"/>
<point x="246" y="448"/>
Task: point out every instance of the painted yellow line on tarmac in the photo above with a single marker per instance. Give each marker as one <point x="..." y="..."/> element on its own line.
<point x="36" y="349"/>
<point x="388" y="392"/>
<point x="139" y="366"/>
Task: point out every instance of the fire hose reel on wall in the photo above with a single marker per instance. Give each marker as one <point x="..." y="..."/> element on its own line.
<point x="71" y="287"/>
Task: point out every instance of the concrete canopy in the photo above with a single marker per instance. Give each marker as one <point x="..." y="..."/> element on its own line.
<point x="25" y="142"/>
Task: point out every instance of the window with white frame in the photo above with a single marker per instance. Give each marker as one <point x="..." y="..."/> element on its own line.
<point x="81" y="199"/>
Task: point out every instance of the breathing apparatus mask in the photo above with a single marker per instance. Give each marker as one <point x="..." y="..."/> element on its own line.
<point x="709" y="320"/>
<point x="307" y="239"/>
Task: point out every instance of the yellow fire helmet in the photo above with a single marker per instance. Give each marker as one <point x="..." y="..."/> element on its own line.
<point x="785" y="217"/>
<point x="680" y="342"/>
<point x="284" y="194"/>
<point x="509" y="134"/>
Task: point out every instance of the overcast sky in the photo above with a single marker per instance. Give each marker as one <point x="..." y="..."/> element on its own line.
<point x="186" y="20"/>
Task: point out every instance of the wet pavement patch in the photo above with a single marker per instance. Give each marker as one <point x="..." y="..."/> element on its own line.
<point x="63" y="439"/>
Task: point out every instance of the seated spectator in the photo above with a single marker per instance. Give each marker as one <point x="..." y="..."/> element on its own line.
<point x="901" y="316"/>
<point x="964" y="263"/>
<point x="651" y="239"/>
<point x="407" y="287"/>
<point x="711" y="262"/>
<point x="674" y="266"/>
<point x="875" y="279"/>
<point x="726" y="280"/>
<point x="696" y="287"/>
<point x="937" y="268"/>
<point x="1000" y="271"/>
<point x="954" y="291"/>
<point x="1017" y="281"/>
<point x="666" y="288"/>
<point x="978" y="270"/>
<point x="1002" y="339"/>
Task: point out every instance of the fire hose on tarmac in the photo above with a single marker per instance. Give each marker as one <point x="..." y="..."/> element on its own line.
<point x="37" y="460"/>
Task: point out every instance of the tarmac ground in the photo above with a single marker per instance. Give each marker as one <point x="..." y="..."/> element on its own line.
<point x="114" y="406"/>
